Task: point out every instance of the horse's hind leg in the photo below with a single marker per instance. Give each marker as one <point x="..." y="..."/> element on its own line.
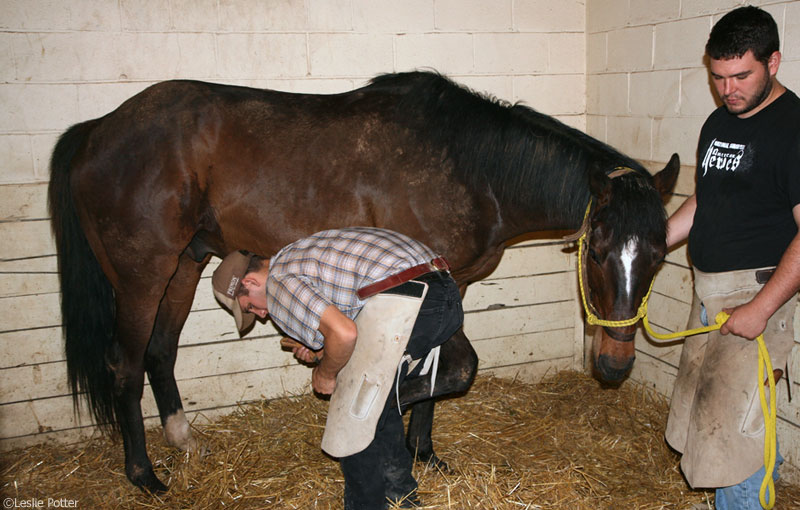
<point x="418" y="435"/>
<point x="458" y="364"/>
<point x="135" y="317"/>
<point x="163" y="349"/>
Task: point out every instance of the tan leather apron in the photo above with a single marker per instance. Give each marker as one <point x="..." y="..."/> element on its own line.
<point x="715" y="416"/>
<point x="363" y="385"/>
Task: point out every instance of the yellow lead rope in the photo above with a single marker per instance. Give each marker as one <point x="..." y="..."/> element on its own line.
<point x="769" y="410"/>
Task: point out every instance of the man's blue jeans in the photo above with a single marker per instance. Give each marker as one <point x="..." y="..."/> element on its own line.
<point x="383" y="469"/>
<point x="744" y="495"/>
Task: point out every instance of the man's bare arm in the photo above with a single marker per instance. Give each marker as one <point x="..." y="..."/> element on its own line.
<point x="340" y="339"/>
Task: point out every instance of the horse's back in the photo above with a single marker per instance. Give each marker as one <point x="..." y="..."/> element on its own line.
<point x="257" y="169"/>
<point x="170" y="112"/>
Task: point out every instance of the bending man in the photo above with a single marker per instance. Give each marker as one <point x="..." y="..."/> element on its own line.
<point x="314" y="289"/>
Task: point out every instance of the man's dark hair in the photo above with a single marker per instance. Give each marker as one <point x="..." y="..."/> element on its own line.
<point x="742" y="29"/>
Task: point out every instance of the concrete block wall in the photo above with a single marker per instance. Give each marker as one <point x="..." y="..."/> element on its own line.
<point x="66" y="62"/>
<point x="648" y="94"/>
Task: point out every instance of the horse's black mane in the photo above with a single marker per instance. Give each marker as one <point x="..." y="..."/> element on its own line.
<point x="511" y="148"/>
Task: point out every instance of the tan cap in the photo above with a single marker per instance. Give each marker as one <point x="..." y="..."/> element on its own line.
<point x="226" y="280"/>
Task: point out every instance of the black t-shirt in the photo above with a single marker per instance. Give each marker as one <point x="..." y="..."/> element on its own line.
<point x="748" y="181"/>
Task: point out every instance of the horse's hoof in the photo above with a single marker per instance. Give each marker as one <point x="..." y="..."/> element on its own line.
<point x="202" y="451"/>
<point x="147" y="481"/>
<point x="194" y="448"/>
<point x="411" y="501"/>
<point x="436" y="463"/>
<point x="154" y="486"/>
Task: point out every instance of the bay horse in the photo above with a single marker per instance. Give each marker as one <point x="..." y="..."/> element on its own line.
<point x="141" y="198"/>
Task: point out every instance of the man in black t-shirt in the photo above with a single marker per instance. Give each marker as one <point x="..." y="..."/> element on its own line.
<point x="742" y="226"/>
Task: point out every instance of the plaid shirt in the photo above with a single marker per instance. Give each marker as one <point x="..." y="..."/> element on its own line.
<point x="328" y="268"/>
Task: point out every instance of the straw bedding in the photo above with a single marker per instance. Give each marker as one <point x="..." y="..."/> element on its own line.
<point x="564" y="443"/>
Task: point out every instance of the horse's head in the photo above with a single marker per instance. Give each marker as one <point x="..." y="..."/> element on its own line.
<point x="624" y="247"/>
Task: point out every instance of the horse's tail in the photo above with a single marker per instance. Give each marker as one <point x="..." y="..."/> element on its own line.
<point x="87" y="298"/>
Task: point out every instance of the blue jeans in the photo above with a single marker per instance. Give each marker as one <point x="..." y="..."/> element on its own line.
<point x="744" y="495"/>
<point x="383" y="469"/>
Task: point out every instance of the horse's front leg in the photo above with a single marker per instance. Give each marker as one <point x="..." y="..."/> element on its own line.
<point x="163" y="350"/>
<point x="458" y="364"/>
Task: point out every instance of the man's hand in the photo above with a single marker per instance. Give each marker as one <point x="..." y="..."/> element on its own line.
<point x="302" y="352"/>
<point x="747" y="321"/>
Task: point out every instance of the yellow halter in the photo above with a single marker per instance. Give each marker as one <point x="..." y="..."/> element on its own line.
<point x="591" y="312"/>
<point x="769" y="410"/>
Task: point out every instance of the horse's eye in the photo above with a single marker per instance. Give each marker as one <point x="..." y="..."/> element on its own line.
<point x="593" y="255"/>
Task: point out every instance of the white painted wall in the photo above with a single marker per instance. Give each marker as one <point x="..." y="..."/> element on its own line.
<point x="65" y="62"/>
<point x="648" y="94"/>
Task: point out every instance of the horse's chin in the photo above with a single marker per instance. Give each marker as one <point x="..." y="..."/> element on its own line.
<point x="612" y="370"/>
<point x="613" y="358"/>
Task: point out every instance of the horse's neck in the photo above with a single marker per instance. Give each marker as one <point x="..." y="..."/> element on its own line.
<point x="556" y="208"/>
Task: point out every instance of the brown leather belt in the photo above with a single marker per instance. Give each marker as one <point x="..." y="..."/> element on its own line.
<point x="437" y="264"/>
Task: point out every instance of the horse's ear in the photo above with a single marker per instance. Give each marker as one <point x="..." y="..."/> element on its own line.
<point x="665" y="180"/>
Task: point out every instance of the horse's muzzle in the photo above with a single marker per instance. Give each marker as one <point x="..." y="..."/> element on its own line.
<point x="612" y="370"/>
